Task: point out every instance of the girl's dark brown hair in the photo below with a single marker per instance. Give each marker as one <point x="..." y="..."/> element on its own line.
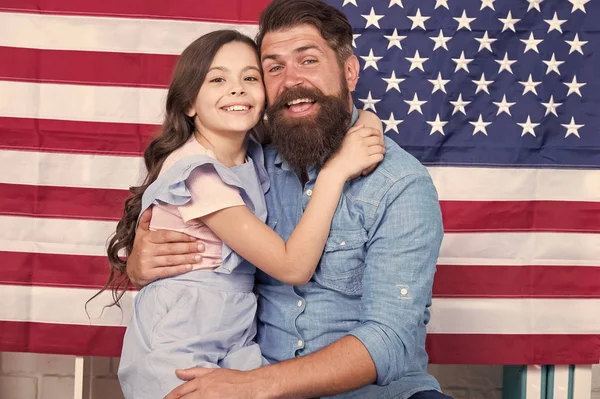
<point x="189" y="74"/>
<point x="331" y="23"/>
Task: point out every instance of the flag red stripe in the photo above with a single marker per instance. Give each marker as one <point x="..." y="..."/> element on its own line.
<point x="565" y="216"/>
<point x="63" y="339"/>
<point x="86" y="67"/>
<point x="62" y="202"/>
<point x="513" y="349"/>
<point x="498" y="216"/>
<point x="442" y="348"/>
<point x="39" y="269"/>
<point x="238" y="11"/>
<point x="517" y="281"/>
<point x="75" y="137"/>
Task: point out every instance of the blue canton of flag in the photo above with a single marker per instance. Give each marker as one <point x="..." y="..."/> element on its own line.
<point x="482" y="82"/>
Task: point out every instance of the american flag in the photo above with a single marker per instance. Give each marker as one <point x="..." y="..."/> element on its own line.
<point x="499" y="99"/>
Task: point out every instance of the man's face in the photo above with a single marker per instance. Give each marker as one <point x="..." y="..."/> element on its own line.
<point x="308" y="94"/>
<point x="300" y="57"/>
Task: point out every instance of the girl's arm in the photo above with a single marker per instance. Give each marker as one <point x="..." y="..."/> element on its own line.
<point x="369" y="119"/>
<point x="294" y="262"/>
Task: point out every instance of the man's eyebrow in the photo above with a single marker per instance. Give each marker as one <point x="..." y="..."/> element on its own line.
<point x="297" y="50"/>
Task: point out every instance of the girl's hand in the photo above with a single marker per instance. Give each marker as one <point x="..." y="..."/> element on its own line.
<point x="362" y="148"/>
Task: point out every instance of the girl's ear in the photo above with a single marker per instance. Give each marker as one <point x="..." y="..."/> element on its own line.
<point x="191" y="112"/>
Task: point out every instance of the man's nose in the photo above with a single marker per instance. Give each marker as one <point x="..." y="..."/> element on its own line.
<point x="292" y="78"/>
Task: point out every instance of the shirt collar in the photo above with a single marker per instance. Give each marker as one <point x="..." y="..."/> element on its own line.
<point x="284" y="165"/>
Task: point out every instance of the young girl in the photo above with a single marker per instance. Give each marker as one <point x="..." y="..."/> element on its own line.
<point x="206" y="178"/>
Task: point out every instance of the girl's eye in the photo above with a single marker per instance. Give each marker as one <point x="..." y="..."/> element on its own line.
<point x="217" y="80"/>
<point x="251" y="79"/>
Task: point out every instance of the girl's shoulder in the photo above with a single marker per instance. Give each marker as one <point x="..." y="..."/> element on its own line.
<point x="190" y="148"/>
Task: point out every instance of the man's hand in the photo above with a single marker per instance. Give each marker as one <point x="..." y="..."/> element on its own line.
<point x="159" y="254"/>
<point x="216" y="384"/>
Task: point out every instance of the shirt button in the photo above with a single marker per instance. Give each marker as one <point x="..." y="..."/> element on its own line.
<point x="404" y="291"/>
<point x="300" y="343"/>
<point x="309" y="192"/>
<point x="299" y="304"/>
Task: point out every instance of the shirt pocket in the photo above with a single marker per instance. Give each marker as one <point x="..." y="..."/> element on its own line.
<point x="343" y="262"/>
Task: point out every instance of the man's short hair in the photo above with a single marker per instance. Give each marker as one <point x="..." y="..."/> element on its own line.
<point x="331" y="23"/>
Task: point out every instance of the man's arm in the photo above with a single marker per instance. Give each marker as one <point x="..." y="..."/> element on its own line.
<point x="160" y="254"/>
<point x="404" y="242"/>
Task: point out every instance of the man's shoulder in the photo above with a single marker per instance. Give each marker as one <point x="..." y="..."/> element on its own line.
<point x="398" y="163"/>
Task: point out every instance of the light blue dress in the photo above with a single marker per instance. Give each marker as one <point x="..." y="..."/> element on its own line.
<point x="201" y="318"/>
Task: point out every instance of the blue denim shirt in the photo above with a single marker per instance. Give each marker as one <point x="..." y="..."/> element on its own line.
<point x="374" y="279"/>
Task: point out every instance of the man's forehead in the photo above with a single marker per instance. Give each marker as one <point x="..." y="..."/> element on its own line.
<point x="288" y="40"/>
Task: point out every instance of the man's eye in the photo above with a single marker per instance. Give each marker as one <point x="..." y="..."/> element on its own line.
<point x="309" y="61"/>
<point x="217" y="80"/>
<point x="275" y="68"/>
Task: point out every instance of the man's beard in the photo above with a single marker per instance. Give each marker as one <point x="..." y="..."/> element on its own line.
<point x="309" y="141"/>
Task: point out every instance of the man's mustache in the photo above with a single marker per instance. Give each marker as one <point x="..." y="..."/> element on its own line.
<point x="296" y="93"/>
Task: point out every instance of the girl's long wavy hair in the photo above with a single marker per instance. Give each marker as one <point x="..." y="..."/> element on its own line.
<point x="188" y="76"/>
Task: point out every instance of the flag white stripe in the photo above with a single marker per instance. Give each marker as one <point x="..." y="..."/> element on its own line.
<point x="480" y="184"/>
<point x="450" y="316"/>
<point x="82" y="103"/>
<point x="70" y="170"/>
<point x="108" y="34"/>
<point x="88" y="237"/>
<point x="514" y="316"/>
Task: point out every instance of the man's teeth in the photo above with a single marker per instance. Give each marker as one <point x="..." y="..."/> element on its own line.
<point x="300" y="100"/>
<point x="237" y="108"/>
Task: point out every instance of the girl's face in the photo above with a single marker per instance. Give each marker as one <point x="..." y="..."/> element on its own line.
<point x="232" y="97"/>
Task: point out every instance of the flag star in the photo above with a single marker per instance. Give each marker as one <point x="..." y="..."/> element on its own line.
<point x="505" y="64"/>
<point x="349" y="2"/>
<point x="572" y="128"/>
<point x="531" y="43"/>
<point x="393" y="82"/>
<point x="503" y="106"/>
<point x="576" y="44"/>
<point x="437" y="125"/>
<point x="487" y="3"/>
<point x="462" y="62"/>
<point x="529" y="86"/>
<point x="372" y="19"/>
<point x="418" y="20"/>
<point x="485" y="42"/>
<point x="528" y="127"/>
<point x="574" y="86"/>
<point x="553" y="65"/>
<point x="509" y="22"/>
<point x="369" y="102"/>
<point x="396" y="2"/>
<point x="439" y="83"/>
<point x="534" y="4"/>
<point x="392" y="124"/>
<point x="440" y="41"/>
<point x="555" y="23"/>
<point x="464" y="21"/>
<point x="480" y="126"/>
<point x="354" y="37"/>
<point x="441" y="3"/>
<point x="370" y="60"/>
<point x="416" y="61"/>
<point x="415" y="104"/>
<point x="578" y="5"/>
<point x="395" y="39"/>
<point x="551" y="106"/>
<point x="482" y="84"/>
<point x="459" y="105"/>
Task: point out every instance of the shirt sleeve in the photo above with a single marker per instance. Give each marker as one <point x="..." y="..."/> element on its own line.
<point x="402" y="251"/>
<point x="209" y="194"/>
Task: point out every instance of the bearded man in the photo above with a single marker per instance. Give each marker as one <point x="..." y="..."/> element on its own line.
<point x="357" y="328"/>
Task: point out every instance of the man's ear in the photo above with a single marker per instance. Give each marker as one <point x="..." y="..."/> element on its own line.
<point x="351" y="68"/>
